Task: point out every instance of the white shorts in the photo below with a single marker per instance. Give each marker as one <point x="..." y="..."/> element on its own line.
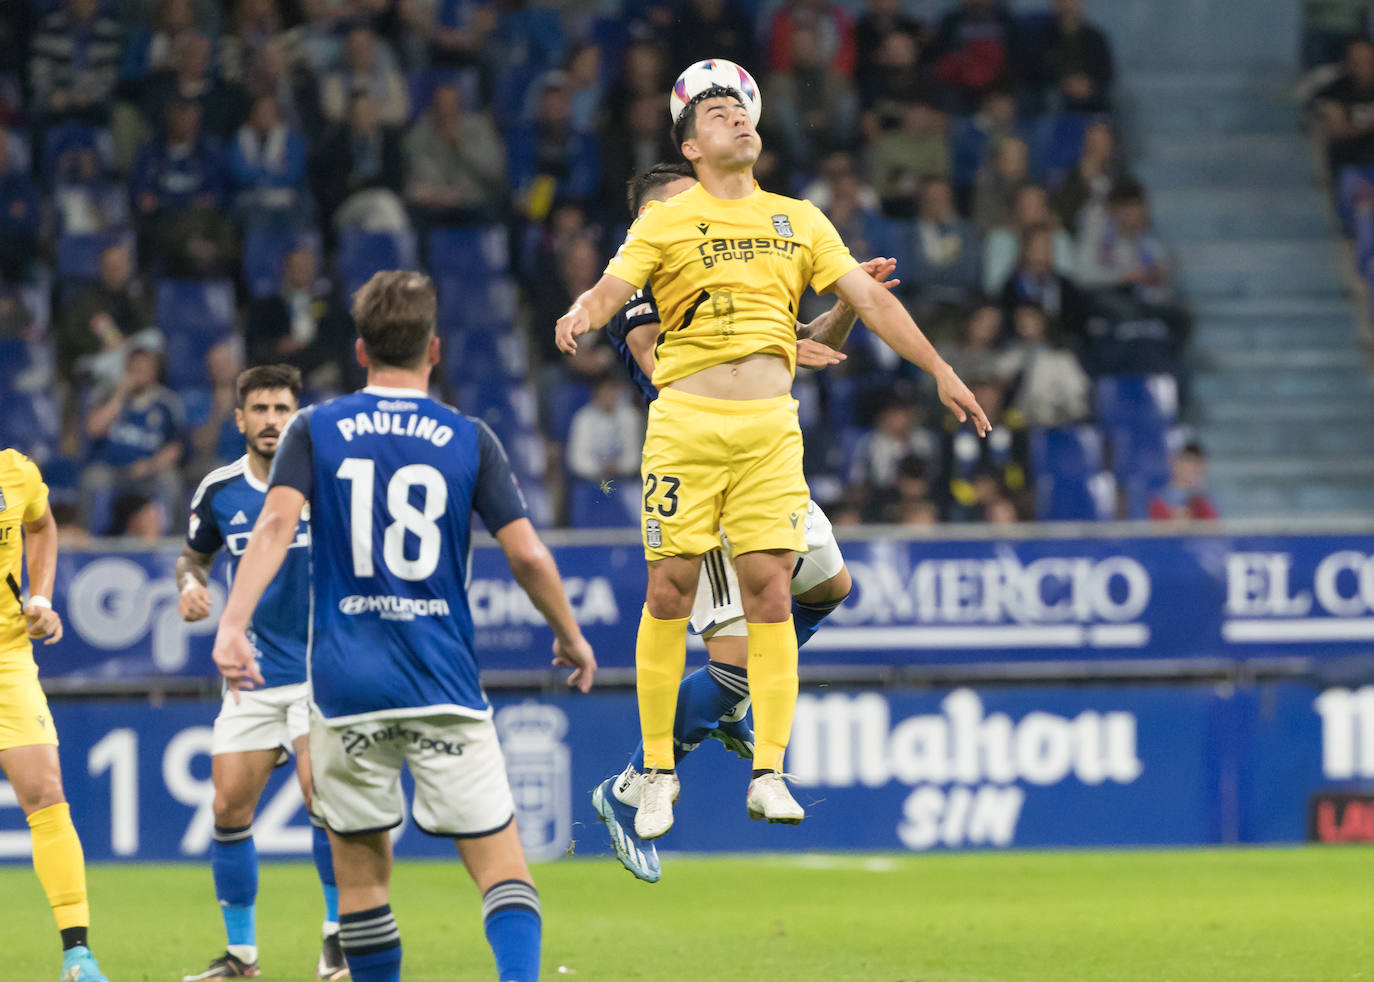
<point x="461" y="790"/>
<point x="718" y="611"/>
<point x="263" y="719"/>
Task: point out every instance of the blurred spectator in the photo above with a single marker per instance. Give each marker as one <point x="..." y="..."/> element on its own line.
<point x="94" y="325"/>
<point x="903" y="158"/>
<point x="178" y="189"/>
<point x="70" y="532"/>
<point x="1000" y="510"/>
<point x="977" y="354"/>
<point x="1328" y="28"/>
<point x="20" y="213"/>
<point x="998" y="183"/>
<point x="267" y="169"/>
<point x="1072" y="61"/>
<point x="881" y="20"/>
<point x="359" y="172"/>
<point x="577" y="266"/>
<point x="190" y="78"/>
<point x="982" y="470"/>
<point x="278" y="73"/>
<point x="150" y="49"/>
<point x="973" y="50"/>
<point x="138" y="516"/>
<point x="946" y="250"/>
<point x="1036" y="281"/>
<point x="918" y="514"/>
<point x="1002" y="245"/>
<point x="895" y="81"/>
<point x="1186" y="495"/>
<point x="812" y="107"/>
<point x="253" y="26"/>
<point x="547" y="158"/>
<point x="453" y="33"/>
<point x="1347" y="107"/>
<point x="84" y="201"/>
<point x="632" y="146"/>
<point x="1099" y="169"/>
<point x="897" y="438"/>
<point x="369" y="70"/>
<point x="217" y="441"/>
<point x="1118" y="249"/>
<point x="710" y="29"/>
<point x="587" y="93"/>
<point x="832" y="31"/>
<point x="644" y="73"/>
<point x="1048" y="385"/>
<point x="851" y="206"/>
<point x="606" y="435"/>
<point x="136" y="437"/>
<point x="455" y="164"/>
<point x="74" y="64"/>
<point x="304" y="325"/>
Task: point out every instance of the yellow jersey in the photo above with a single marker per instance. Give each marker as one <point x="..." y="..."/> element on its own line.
<point x="728" y="275"/>
<point x="23" y="498"/>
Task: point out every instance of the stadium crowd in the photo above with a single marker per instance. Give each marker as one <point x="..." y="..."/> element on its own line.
<point x="188" y="187"/>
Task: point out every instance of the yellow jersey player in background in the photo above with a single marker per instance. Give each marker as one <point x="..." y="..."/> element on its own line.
<point x="728" y="263"/>
<point x="28" y="740"/>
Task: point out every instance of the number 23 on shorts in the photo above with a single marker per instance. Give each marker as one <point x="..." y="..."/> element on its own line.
<point x="666" y="487"/>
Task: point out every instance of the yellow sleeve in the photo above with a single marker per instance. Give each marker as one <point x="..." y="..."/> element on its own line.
<point x="35" y="491"/>
<point x="830" y="258"/>
<point x="641" y="252"/>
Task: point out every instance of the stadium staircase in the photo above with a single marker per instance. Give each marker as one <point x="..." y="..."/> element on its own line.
<point x="1281" y="395"/>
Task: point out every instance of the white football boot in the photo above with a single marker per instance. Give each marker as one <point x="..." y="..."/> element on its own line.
<point x="768" y="798"/>
<point x="657" y="793"/>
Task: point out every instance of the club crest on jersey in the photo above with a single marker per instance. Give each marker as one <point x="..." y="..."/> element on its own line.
<point x="2" y="499"/>
<point x="783" y="226"/>
<point x="653" y="534"/>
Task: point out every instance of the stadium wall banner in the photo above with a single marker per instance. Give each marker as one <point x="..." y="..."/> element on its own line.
<point x="920" y="771"/>
<point x="914" y="602"/>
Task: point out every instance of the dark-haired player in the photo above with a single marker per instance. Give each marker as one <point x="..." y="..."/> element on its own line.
<point x="713" y="701"/>
<point x="255" y="733"/>
<point x="728" y="263"/>
<point x="392" y="479"/>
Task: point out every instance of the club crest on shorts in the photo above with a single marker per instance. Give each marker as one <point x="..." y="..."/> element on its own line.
<point x="783" y="226"/>
<point x="653" y="533"/>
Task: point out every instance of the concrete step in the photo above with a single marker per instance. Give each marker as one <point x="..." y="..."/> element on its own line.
<point x="1276" y="360"/>
<point x="1260" y="269"/>
<point x="1250" y="83"/>
<point x="1293" y="305"/>
<point x="1284" y="436"/>
<point x="1264" y="499"/>
<point x="1352" y="411"/>
<point x="1193" y="115"/>
<point x="1278" y="172"/>
<point x="1234" y="149"/>
<point x="1304" y="468"/>
<point x="1218" y="333"/>
<point x="1202" y="214"/>
<point x="1323" y="385"/>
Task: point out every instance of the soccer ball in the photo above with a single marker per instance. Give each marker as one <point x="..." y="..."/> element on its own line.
<point x="717" y="71"/>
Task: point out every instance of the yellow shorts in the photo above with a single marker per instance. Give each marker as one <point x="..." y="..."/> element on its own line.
<point x="24" y="715"/>
<point x="717" y="465"/>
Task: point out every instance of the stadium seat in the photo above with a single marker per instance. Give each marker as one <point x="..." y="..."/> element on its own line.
<point x="362" y="253"/>
<point x="1084" y="498"/>
<point x="30" y="423"/>
<point x="264" y="251"/>
<point x="1124" y="399"/>
<point x="568" y="398"/>
<point x="78" y="257"/>
<point x="591" y="507"/>
<point x="1066" y="451"/>
<point x="194" y="316"/>
<point x="1057" y="144"/>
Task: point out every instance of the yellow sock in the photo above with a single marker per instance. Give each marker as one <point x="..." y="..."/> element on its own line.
<point x="660" y="657"/>
<point x="773" y="688"/>
<point x="60" y="864"/>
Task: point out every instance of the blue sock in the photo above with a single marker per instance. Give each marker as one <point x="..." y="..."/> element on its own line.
<point x="510" y="914"/>
<point x="702" y="699"/>
<point x="371" y="944"/>
<point x="806" y="618"/>
<point x="324" y="865"/>
<point x="234" y="862"/>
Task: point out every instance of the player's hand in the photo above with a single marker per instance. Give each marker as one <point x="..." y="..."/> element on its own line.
<point x="234" y="658"/>
<point x="579" y="657"/>
<point x="194" y="603"/>
<point x="576" y="321"/>
<point x="880" y="269"/>
<point x="43" y="622"/>
<point x="813" y="354"/>
<point x="960" y="401"/>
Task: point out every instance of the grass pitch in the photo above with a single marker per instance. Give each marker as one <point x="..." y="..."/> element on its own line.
<point x="1291" y="914"/>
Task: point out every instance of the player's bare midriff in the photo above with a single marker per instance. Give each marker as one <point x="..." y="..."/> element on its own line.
<point x="755" y="376"/>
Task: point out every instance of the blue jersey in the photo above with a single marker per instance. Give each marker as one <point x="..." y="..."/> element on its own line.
<point x="223" y="512"/>
<point x="639" y="311"/>
<point x="392" y="478"/>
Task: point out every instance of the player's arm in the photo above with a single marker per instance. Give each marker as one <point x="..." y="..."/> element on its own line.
<point x="193" y="577"/>
<point x="832" y="327"/>
<point x="40" y="548"/>
<point x="641" y="340"/>
<point x="888" y="319"/>
<point x="592" y="310"/>
<point x="272" y="536"/>
<point x="535" y="570"/>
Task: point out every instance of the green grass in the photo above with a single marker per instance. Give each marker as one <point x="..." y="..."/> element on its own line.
<point x="1292" y="914"/>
